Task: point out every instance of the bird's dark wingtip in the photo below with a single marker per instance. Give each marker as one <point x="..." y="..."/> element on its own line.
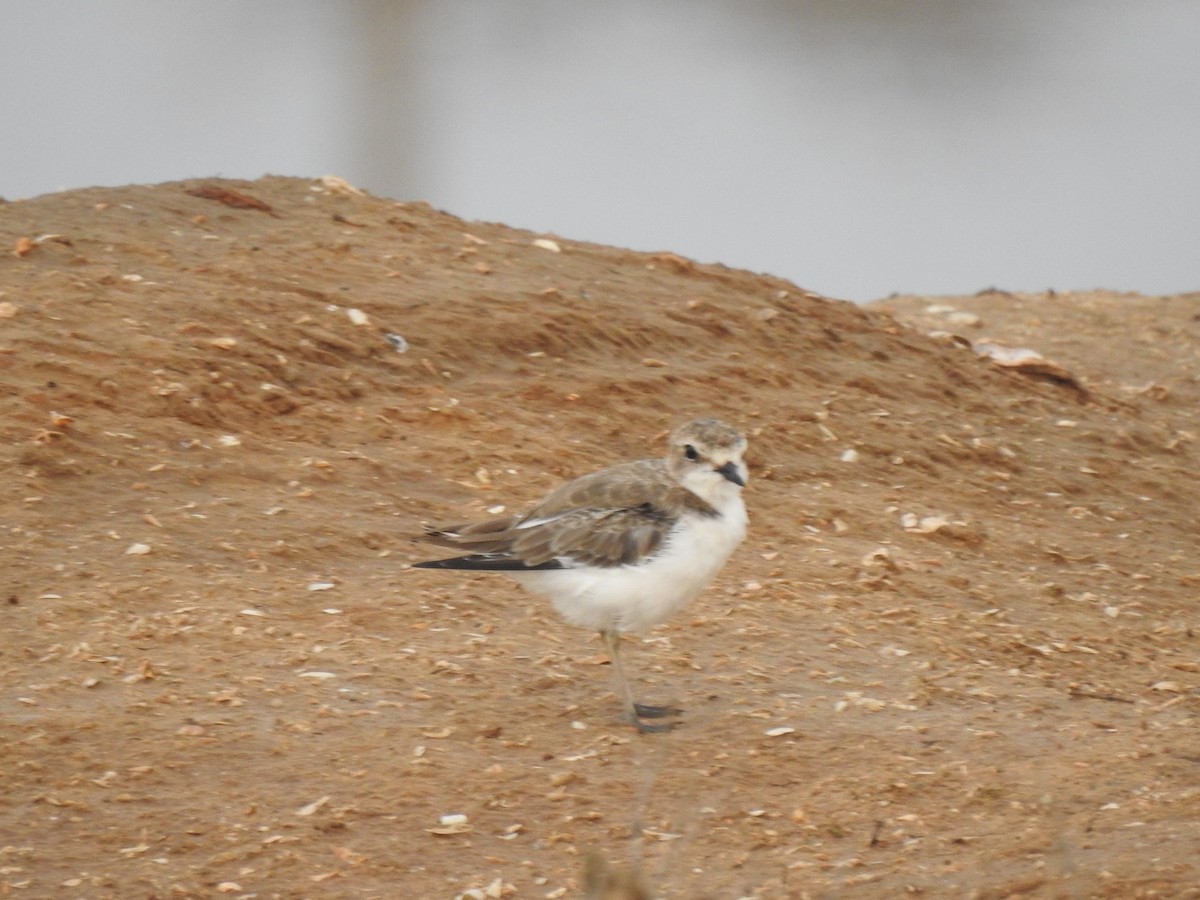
<point x="485" y="563"/>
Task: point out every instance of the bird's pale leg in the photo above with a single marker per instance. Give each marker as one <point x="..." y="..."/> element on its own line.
<point x="634" y="712"/>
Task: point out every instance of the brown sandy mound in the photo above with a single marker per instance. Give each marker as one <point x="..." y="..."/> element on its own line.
<point x="956" y="657"/>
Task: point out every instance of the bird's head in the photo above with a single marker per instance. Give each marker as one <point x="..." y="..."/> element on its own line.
<point x="705" y="455"/>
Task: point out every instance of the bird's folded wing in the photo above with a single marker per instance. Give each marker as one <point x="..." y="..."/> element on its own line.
<point x="482" y="537"/>
<point x="614" y="517"/>
<point x="593" y="537"/>
<point x="623" y="486"/>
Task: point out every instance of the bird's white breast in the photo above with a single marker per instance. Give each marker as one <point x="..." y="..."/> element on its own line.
<point x="638" y="597"/>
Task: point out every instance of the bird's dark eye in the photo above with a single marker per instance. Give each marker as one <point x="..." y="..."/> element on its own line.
<point x="690" y="452"/>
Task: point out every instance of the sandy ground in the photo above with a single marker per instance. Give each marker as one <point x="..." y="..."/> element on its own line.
<point x="957" y="656"/>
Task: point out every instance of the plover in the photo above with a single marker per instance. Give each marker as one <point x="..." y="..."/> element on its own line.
<point x="621" y="549"/>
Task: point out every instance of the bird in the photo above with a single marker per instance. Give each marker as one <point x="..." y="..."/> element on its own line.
<point x="621" y="549"/>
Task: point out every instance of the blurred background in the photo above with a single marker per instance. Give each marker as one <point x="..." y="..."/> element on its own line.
<point x="855" y="147"/>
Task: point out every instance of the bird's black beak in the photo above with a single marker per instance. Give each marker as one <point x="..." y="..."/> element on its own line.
<point x="731" y="473"/>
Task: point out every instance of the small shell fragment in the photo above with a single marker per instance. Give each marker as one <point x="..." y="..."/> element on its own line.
<point x="880" y="556"/>
<point x="337" y="185"/>
<point x="358" y="317"/>
<point x="655" y="835"/>
<point x="137" y="549"/>
<point x="923" y="524"/>
<point x="453" y="823"/>
<point x="229" y="440"/>
<point x="494" y="891"/>
<point x="322" y="586"/>
<point x="779" y="732"/>
<point x="1027" y="362"/>
<point x="547" y="244"/>
<point x="309" y="809"/>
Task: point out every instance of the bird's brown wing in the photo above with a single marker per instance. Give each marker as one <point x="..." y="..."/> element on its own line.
<point x="615" y="517"/>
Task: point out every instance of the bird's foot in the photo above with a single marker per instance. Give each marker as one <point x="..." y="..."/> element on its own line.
<point x="642" y="711"/>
